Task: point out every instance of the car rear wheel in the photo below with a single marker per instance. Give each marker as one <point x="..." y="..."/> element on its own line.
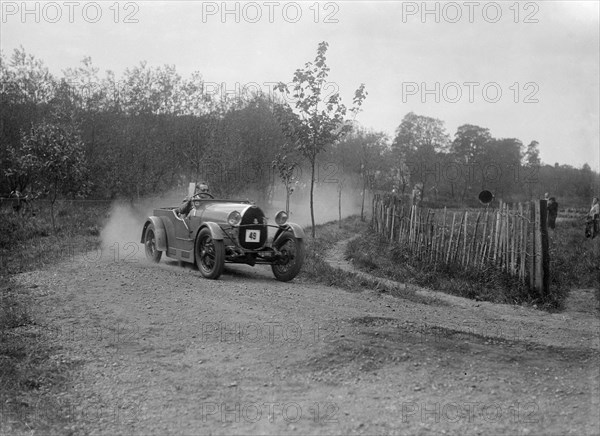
<point x="210" y="255"/>
<point x="152" y="253"/>
<point x="292" y="257"/>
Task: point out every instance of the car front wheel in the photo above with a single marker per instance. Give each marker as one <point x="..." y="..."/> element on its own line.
<point x="292" y="257"/>
<point x="210" y="255"/>
<point x="152" y="253"/>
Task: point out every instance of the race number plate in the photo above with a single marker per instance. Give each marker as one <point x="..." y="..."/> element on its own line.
<point x="253" y="236"/>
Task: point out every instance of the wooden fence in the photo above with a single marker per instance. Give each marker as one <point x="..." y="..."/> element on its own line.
<point x="511" y="238"/>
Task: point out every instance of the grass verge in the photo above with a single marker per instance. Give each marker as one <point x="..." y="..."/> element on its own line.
<point x="317" y="270"/>
<point x="574" y="264"/>
<point x="29" y="243"/>
<point x="32" y="371"/>
<point x="574" y="259"/>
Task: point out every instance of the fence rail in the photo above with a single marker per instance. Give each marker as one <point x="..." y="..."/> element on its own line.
<point x="512" y="238"/>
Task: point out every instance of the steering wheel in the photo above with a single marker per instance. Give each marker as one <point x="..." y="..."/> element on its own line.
<point x="203" y="195"/>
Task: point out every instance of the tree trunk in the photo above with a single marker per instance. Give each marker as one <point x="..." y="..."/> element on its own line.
<point x="287" y="197"/>
<point x="340" y="206"/>
<point x="52" y="209"/>
<point x="312" y="187"/>
<point x="362" y="207"/>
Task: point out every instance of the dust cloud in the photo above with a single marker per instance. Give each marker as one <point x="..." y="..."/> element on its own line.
<point x="120" y="237"/>
<point x="326" y="204"/>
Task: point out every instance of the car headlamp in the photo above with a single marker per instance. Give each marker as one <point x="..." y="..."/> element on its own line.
<point x="234" y="218"/>
<point x="281" y="217"/>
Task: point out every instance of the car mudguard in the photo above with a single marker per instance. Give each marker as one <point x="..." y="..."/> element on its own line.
<point x="215" y="230"/>
<point x="160" y="233"/>
<point x="293" y="227"/>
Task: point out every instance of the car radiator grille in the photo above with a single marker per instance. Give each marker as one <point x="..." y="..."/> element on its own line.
<point x="253" y="232"/>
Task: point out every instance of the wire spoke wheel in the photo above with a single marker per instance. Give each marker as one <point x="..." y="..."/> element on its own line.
<point x="152" y="252"/>
<point x="291" y="258"/>
<point x="210" y="255"/>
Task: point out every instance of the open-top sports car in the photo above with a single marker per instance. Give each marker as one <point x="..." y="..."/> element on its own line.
<point x="220" y="231"/>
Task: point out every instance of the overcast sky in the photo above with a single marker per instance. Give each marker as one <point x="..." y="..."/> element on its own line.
<point x="528" y="70"/>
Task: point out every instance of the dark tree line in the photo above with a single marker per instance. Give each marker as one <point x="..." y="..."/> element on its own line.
<point x="152" y="130"/>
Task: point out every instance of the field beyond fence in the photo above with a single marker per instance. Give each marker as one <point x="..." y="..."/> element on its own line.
<point x="510" y="238"/>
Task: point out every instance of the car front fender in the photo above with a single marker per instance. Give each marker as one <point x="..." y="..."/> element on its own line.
<point x="296" y="229"/>
<point x="215" y="230"/>
<point x="160" y="232"/>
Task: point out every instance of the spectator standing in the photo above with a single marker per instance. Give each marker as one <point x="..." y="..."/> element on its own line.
<point x="552" y="212"/>
<point x="594" y="215"/>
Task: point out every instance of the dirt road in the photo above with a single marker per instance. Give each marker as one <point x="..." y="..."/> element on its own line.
<point x="156" y="349"/>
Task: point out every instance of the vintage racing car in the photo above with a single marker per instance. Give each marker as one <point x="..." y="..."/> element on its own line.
<point x="220" y="231"/>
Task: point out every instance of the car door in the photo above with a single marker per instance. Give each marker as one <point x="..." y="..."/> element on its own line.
<point x="184" y="242"/>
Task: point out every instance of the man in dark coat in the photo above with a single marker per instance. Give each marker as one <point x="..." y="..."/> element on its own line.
<point x="593" y="219"/>
<point x="552" y="212"/>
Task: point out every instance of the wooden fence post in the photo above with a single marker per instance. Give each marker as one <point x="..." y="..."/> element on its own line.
<point x="464" y="253"/>
<point x="460" y="231"/>
<point x="513" y="239"/>
<point x="538" y="248"/>
<point x="451" y="237"/>
<point x="543" y="259"/>
<point x="497" y="232"/>
<point x="532" y="226"/>
<point x="523" y="247"/>
<point x="506" y="237"/>
<point x="481" y="251"/>
<point x="472" y="247"/>
<point x="393" y="220"/>
<point x="443" y="239"/>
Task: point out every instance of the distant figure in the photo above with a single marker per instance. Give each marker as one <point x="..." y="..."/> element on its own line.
<point x="593" y="220"/>
<point x="417" y="192"/>
<point x="552" y="212"/>
<point x="546" y="196"/>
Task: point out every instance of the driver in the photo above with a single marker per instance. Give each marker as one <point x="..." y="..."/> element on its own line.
<point x="201" y="192"/>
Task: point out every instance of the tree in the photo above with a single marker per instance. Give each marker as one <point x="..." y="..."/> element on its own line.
<point x="287" y="159"/>
<point x="361" y="155"/>
<point x="254" y="139"/>
<point x="287" y="170"/>
<point x="51" y="160"/>
<point x="532" y="154"/>
<point x="319" y="121"/>
<point x="417" y="146"/>
<point x="505" y="155"/>
<point x="469" y="148"/>
<point x="26" y="89"/>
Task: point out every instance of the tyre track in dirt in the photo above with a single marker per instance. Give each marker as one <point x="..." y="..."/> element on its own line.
<point x="160" y="350"/>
